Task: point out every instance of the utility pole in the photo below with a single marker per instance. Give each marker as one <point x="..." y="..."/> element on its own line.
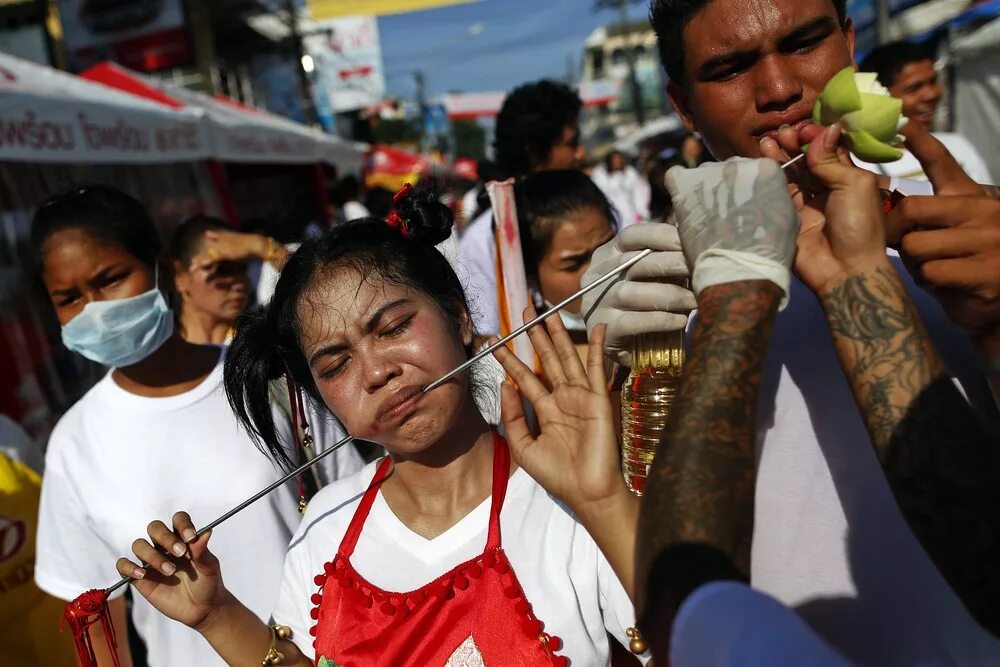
<point x="570" y="70"/>
<point x="882" y="15"/>
<point x="420" y="83"/>
<point x="633" y="80"/>
<point x="308" y="105"/>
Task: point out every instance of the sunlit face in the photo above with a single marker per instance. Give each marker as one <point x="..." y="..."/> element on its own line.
<point x="78" y="268"/>
<point x="568" y="153"/>
<point x="917" y="84"/>
<point x="755" y="65"/>
<point x="691" y="149"/>
<point x="371" y="346"/>
<point x="573" y="243"/>
<point x="220" y="291"/>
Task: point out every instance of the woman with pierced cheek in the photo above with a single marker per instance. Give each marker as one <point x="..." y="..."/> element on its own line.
<point x="461" y="547"/>
<point x="156" y="431"/>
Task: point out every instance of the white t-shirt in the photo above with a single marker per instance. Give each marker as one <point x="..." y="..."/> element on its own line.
<point x="728" y="624"/>
<point x="829" y="539"/>
<point x="354" y="210"/>
<point x="627" y="191"/>
<point x="117" y="461"/>
<point x="907" y="167"/>
<point x="567" y="580"/>
<point x="477" y="271"/>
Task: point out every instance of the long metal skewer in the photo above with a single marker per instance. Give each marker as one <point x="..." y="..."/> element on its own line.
<point x="793" y="160"/>
<point x="433" y="385"/>
<point x="527" y="325"/>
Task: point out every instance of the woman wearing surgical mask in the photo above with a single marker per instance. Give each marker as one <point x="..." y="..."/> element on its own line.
<point x="564" y="217"/>
<point x="154" y="433"/>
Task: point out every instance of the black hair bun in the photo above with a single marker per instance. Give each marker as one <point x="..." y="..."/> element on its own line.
<point x="427" y="219"/>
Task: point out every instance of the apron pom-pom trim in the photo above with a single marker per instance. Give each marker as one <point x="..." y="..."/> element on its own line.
<point x="86" y="610"/>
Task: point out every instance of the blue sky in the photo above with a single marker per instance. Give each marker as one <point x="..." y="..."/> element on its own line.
<point x="521" y="40"/>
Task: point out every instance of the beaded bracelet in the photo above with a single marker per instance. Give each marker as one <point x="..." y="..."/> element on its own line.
<point x="273" y="656"/>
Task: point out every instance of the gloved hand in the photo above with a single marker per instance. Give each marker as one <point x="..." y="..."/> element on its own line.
<point x="637" y="302"/>
<point x="736" y="222"/>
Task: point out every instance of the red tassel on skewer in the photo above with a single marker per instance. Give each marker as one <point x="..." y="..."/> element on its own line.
<point x="83" y="612"/>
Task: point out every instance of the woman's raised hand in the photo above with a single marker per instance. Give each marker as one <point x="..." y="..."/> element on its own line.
<point x="220" y="246"/>
<point x="183" y="580"/>
<point x="575" y="454"/>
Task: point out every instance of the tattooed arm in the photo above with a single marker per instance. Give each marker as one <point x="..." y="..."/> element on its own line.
<point x="737" y="226"/>
<point x="941" y="460"/>
<point x="696" y="519"/>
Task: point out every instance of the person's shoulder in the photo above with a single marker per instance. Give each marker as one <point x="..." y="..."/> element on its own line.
<point x="330" y="510"/>
<point x="347" y="489"/>
<point x="72" y="424"/>
<point x="479" y="229"/>
<point x="526" y="495"/>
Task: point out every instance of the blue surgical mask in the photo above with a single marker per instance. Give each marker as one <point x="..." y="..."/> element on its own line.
<point x="121" y="332"/>
<point x="572" y="321"/>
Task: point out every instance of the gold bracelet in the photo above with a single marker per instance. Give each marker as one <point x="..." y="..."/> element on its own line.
<point x="272" y="250"/>
<point x="273" y="656"/>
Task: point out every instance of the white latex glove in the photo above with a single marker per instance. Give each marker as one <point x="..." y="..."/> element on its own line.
<point x="736" y="222"/>
<point x="637" y="302"/>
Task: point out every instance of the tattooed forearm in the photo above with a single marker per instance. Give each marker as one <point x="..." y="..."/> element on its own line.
<point x="696" y="520"/>
<point x="941" y="461"/>
<point x="885" y="351"/>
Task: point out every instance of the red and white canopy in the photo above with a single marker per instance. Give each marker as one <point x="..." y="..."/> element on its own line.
<point x="487" y="105"/>
<point x="240" y="133"/>
<point x="50" y="116"/>
<point x="114" y="116"/>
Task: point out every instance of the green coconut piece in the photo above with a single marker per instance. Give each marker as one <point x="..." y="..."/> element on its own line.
<point x="840" y="96"/>
<point x="870" y="149"/>
<point x="878" y="116"/>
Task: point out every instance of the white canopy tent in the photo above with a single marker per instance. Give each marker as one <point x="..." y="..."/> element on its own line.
<point x="239" y="133"/>
<point x="48" y="116"/>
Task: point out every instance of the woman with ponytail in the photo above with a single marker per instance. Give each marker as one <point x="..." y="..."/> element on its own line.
<point x="458" y="548"/>
<point x="156" y="432"/>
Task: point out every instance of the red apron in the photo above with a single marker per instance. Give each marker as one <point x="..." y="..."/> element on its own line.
<point x="475" y="614"/>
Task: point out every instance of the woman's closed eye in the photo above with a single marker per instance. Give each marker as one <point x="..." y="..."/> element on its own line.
<point x="396" y="327"/>
<point x="334" y="368"/>
<point x="338" y="363"/>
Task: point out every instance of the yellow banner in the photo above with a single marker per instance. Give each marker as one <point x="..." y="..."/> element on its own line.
<point x="329" y="9"/>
